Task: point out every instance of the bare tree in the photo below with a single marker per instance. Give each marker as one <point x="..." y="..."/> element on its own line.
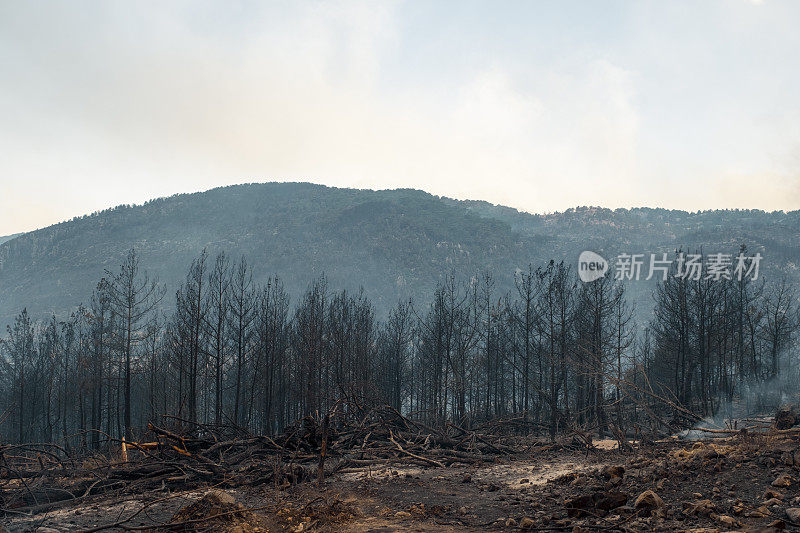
<point x="242" y="317"/>
<point x="215" y="322"/>
<point x="133" y="295"/>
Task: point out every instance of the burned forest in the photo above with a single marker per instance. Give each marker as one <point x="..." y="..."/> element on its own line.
<point x="383" y="266"/>
<point x="230" y="403"/>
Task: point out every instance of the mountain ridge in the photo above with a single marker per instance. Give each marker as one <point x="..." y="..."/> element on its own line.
<point x="5" y="238"/>
<point x="396" y="243"/>
<point x="478" y="205"/>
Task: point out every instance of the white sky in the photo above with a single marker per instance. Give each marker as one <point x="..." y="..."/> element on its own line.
<point x="537" y="105"/>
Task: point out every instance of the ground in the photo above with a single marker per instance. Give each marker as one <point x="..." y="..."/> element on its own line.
<point x="745" y="482"/>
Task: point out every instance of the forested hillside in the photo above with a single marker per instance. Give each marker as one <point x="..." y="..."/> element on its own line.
<point x="475" y="336"/>
<point x="9" y="237"/>
<point x="395" y="244"/>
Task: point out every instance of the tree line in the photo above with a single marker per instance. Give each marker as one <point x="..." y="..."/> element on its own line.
<point x="549" y="357"/>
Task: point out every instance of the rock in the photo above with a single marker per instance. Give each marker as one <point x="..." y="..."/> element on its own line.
<point x="613" y="471"/>
<point x="761" y="512"/>
<point x="771" y="494"/>
<point x="611" y="500"/>
<point x="728" y="521"/>
<point x="592" y="503"/>
<point x="510" y="522"/>
<point x="793" y="514"/>
<point x="647" y="502"/>
<point x="785" y="417"/>
<point x="772" y="501"/>
<point x="579" y="507"/>
<point x="784" y="480"/>
<point x="699" y="508"/>
<point x="402" y="514"/>
<point x="526" y="523"/>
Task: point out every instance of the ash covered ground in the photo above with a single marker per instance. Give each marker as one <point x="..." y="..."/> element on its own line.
<point x="743" y="482"/>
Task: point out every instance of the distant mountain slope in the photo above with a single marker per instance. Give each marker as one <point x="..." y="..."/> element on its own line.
<point x="9" y="237"/>
<point x="396" y="244"/>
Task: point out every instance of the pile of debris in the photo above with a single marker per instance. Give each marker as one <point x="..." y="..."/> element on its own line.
<point x="207" y="455"/>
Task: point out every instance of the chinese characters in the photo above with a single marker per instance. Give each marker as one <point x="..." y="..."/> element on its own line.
<point x="715" y="267"/>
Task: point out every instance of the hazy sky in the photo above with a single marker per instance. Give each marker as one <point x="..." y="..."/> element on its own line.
<point x="537" y="105"/>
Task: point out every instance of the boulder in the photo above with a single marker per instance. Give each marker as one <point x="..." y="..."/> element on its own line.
<point x="647" y="502"/>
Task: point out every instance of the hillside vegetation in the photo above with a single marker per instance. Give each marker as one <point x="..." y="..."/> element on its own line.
<point x="395" y="244"/>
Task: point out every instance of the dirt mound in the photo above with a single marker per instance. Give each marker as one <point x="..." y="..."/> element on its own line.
<point x="217" y="510"/>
